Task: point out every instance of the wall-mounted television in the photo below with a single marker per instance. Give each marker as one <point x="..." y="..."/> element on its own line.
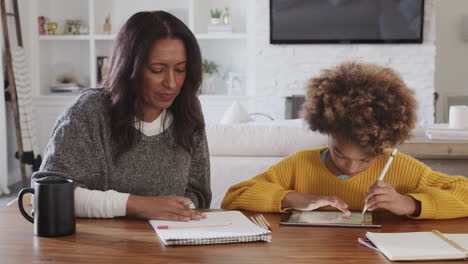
<point x="346" y="21"/>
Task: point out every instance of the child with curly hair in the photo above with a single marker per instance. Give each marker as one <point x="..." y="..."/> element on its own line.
<point x="365" y="109"/>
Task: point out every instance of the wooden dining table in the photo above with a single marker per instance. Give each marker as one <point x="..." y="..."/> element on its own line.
<point x="134" y="241"/>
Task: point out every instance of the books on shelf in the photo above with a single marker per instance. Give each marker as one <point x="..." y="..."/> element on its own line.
<point x="219" y="28"/>
<point x="217" y="228"/>
<point x="444" y="132"/>
<point x="420" y="245"/>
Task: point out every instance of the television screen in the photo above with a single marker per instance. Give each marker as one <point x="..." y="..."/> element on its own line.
<point x="346" y="21"/>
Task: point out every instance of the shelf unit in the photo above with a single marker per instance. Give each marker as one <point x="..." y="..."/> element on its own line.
<point x="75" y="55"/>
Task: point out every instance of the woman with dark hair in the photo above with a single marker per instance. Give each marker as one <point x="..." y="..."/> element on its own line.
<point x="137" y="146"/>
<point x="365" y="109"/>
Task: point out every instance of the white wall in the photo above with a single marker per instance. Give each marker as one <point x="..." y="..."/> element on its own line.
<point x="283" y="70"/>
<point x="452" y="53"/>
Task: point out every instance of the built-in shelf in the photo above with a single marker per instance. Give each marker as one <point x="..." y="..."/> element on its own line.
<point x="105" y="37"/>
<point x="78" y="54"/>
<point x="64" y="37"/>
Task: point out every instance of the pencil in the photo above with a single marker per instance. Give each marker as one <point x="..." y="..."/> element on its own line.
<point x="260" y="220"/>
<point x="448" y="240"/>
<point x="262" y="225"/>
<point x="382" y="174"/>
<point x="254" y="220"/>
<point x="266" y="222"/>
<point x="190" y="226"/>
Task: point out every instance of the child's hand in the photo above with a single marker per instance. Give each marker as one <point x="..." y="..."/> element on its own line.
<point x="307" y="202"/>
<point x="383" y="195"/>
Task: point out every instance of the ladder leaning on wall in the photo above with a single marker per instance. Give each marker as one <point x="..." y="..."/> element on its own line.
<point x="11" y="79"/>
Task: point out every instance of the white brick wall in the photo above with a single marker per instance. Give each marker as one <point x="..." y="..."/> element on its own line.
<point x="283" y="70"/>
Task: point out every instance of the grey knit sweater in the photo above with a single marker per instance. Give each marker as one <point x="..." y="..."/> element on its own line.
<point x="80" y="148"/>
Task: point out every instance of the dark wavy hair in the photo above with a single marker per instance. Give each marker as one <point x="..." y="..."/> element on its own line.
<point x="367" y="103"/>
<point x="122" y="82"/>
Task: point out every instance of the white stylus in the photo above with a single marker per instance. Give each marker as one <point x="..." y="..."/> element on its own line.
<point x="384" y="171"/>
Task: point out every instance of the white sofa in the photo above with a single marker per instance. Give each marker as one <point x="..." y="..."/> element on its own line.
<point x="241" y="151"/>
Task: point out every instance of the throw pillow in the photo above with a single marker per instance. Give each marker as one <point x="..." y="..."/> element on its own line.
<point x="235" y="114"/>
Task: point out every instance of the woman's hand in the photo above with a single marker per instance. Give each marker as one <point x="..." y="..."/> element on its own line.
<point x="169" y="207"/>
<point x="383" y="195"/>
<point x="307" y="202"/>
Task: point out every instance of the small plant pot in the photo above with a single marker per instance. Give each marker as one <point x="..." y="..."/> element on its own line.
<point x="209" y="83"/>
<point x="215" y="21"/>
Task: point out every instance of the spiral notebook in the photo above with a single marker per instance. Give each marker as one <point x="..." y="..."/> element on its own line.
<point x="217" y="228"/>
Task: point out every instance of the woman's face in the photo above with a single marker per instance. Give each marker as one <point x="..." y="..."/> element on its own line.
<point x="163" y="76"/>
<point x="347" y="157"/>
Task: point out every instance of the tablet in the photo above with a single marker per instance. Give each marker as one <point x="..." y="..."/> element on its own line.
<point x="328" y="218"/>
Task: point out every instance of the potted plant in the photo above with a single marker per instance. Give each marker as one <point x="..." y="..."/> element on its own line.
<point x="215" y="16"/>
<point x="210" y="68"/>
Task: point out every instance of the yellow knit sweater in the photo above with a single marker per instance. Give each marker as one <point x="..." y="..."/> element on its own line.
<point x="441" y="196"/>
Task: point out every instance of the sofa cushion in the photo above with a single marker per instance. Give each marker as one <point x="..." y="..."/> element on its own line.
<point x="277" y="138"/>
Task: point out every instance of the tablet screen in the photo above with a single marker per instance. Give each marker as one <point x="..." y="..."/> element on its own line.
<point x="328" y="218"/>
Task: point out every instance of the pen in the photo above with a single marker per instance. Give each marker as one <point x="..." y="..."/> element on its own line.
<point x="382" y="174"/>
<point x="448" y="240"/>
<point x="190" y="226"/>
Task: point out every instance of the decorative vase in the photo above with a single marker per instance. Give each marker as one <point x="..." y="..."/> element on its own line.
<point x="227" y="17"/>
<point x="107" y="27"/>
<point x="51" y="28"/>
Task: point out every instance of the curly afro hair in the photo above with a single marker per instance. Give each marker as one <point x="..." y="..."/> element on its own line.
<point x="366" y="103"/>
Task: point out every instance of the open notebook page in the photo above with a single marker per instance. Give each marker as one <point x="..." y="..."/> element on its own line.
<point x="460" y="239"/>
<point x="417" y="245"/>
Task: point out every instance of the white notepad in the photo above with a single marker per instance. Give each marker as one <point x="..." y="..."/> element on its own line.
<point x="234" y="228"/>
<point x="419" y="245"/>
